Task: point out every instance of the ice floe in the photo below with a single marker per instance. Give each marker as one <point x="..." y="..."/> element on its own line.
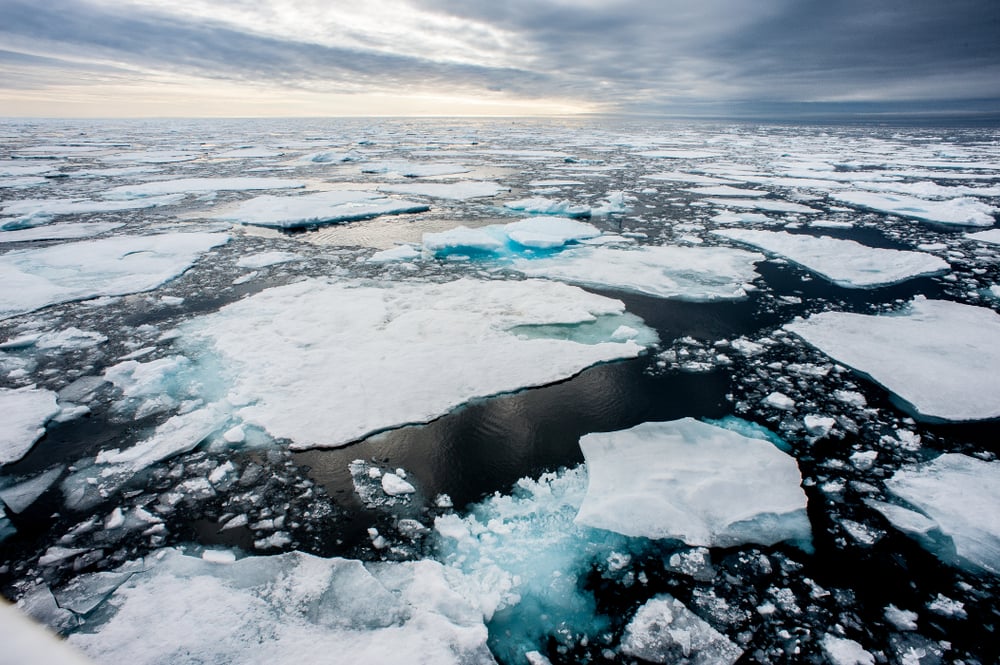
<point x="844" y="262"/>
<point x="315" y="209"/>
<point x="964" y="211"/>
<point x="771" y="205"/>
<point x="68" y="231"/>
<point x="698" y="274"/>
<point x="265" y="259"/>
<point x="542" y="206"/>
<point x="957" y="508"/>
<point x="533" y="233"/>
<point x="199" y="186"/>
<point x="991" y="236"/>
<point x="33" y="212"/>
<point x="386" y="346"/>
<point x="459" y="191"/>
<point x="35" y="278"/>
<point x="695" y="482"/>
<point x="415" y="169"/>
<point x="23" y="414"/>
<point x="307" y="607"/>
<point x="663" y="630"/>
<point x="20" y="495"/>
<point x="939" y="358"/>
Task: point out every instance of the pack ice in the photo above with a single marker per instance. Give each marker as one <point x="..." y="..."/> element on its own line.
<point x="288" y="608"/>
<point x="956" y="496"/>
<point x="939" y="358"/>
<point x="23" y="414"/>
<point x="699" y="483"/>
<point x="331" y="207"/>
<point x="844" y="262"/>
<point x="964" y="211"/>
<point x="36" y="278"/>
<point x="698" y="274"/>
<point x="665" y="631"/>
<point x="324" y="363"/>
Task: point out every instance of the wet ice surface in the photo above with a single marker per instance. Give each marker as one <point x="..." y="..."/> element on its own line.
<point x="197" y="366"/>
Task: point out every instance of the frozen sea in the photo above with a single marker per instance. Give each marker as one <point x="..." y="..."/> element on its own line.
<point x="276" y="390"/>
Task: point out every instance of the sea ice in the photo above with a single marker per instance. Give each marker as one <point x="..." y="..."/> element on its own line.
<point x="23" y="414"/>
<point x="415" y="169"/>
<point x="687" y="480"/>
<point x="772" y="205"/>
<point x="697" y="274"/>
<point x="960" y="498"/>
<point x="965" y="211"/>
<point x="549" y="232"/>
<point x="939" y="358"/>
<point x="842" y="651"/>
<point x="542" y="206"/>
<point x="663" y="630"/>
<point x="265" y="259"/>
<point x="34" y="212"/>
<point x="199" y="186"/>
<point x="844" y="262"/>
<point x="400" y="253"/>
<point x="36" y="278"/>
<point x="677" y="154"/>
<point x="991" y="236"/>
<point x="459" y="191"/>
<point x="325" y="363"/>
<point x="285" y="608"/>
<point x="59" y="232"/>
<point x="314" y="209"/>
<point x="464" y="240"/>
<point x="725" y="190"/>
<point x="19" y="496"/>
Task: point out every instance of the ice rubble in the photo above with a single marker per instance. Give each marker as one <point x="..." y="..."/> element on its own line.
<point x="33" y="212"/>
<point x="314" y="209"/>
<point x="460" y="191"/>
<point x="844" y="262"/>
<point x="325" y="363"/>
<point x="965" y="211"/>
<point x="59" y="232"/>
<point x="663" y="630"/>
<point x="287" y="608"/>
<point x="697" y="274"/>
<point x="956" y="508"/>
<point x="36" y="278"/>
<point x="694" y="482"/>
<point x="940" y="358"/>
<point x="23" y="414"/>
<point x="199" y="186"/>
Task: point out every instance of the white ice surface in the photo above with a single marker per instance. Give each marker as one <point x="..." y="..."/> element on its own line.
<point x="324" y="363"/>
<point x="464" y="239"/>
<point x="961" y="496"/>
<point x="315" y="209"/>
<point x="772" y="205"/>
<point x="265" y="259"/>
<point x="965" y="211"/>
<point x="58" y="232"/>
<point x="288" y="608"/>
<point x="549" y="232"/>
<point x="199" y="186"/>
<point x="20" y="495"/>
<point x="844" y="262"/>
<point x="941" y="358"/>
<point x="400" y="253"/>
<point x="23" y="414"/>
<point x="992" y="236"/>
<point x="35" y="278"/>
<point x="414" y="169"/>
<point x="459" y="191"/>
<point x="33" y="212"/>
<point x="663" y="630"/>
<point x="542" y="206"/>
<point x="683" y="273"/>
<point x="694" y="482"/>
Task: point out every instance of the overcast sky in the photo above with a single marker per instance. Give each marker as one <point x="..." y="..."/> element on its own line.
<point x="417" y="57"/>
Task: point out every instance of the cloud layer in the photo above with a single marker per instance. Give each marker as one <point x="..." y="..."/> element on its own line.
<point x="655" y="56"/>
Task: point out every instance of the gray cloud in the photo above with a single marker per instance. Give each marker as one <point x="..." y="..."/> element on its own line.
<point x="628" y="55"/>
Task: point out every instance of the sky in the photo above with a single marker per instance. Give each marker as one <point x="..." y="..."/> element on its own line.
<point x="124" y="58"/>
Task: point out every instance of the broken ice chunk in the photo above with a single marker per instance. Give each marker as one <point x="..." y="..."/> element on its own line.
<point x="665" y="631"/>
<point x="23" y="414"/>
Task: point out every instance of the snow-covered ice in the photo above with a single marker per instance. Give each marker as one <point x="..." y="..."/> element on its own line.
<point x="698" y="274"/>
<point x="265" y="259"/>
<point x="199" y="186"/>
<point x="23" y="414"/>
<point x="963" y="211"/>
<point x="694" y="482"/>
<point x="533" y="233"/>
<point x="992" y="236"/>
<point x="33" y="212"/>
<point x="939" y="357"/>
<point x="315" y="209"/>
<point x="468" y="189"/>
<point x="401" y="354"/>
<point x="663" y="630"/>
<point x="771" y="205"/>
<point x="69" y="231"/>
<point x="35" y="278"/>
<point x="414" y="169"/>
<point x="539" y="205"/>
<point x="549" y="232"/>
<point x="844" y="262"/>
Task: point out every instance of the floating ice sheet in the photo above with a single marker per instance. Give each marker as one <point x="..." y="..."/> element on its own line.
<point x="539" y="205"/>
<point x="698" y="274"/>
<point x="514" y="239"/>
<point x="992" y="236"/>
<point x="961" y="497"/>
<point x="964" y="211"/>
<point x="314" y="209"/>
<point x="459" y="191"/>
<point x="844" y="262"/>
<point x="58" y="232"/>
<point x="288" y="608"/>
<point x="772" y="205"/>
<point x="324" y="364"/>
<point x="664" y="631"/>
<point x="694" y="482"/>
<point x="940" y="358"/>
<point x="415" y="169"/>
<point x="23" y="414"/>
<point x="35" y="278"/>
<point x="33" y="212"/>
<point x="199" y="186"/>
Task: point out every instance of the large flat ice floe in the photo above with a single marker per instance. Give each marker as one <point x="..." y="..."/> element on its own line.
<point x="533" y="233"/>
<point x="32" y="212"/>
<point x="35" y="278"/>
<point x="459" y="191"/>
<point x="844" y="262"/>
<point x="323" y="364"/>
<point x="200" y="186"/>
<point x="965" y="211"/>
<point x="694" y="482"/>
<point x="956" y="496"/>
<point x="314" y="209"/>
<point x="940" y="358"/>
<point x="288" y="608"/>
<point x="697" y="274"/>
<point x="23" y="414"/>
<point x="68" y="231"/>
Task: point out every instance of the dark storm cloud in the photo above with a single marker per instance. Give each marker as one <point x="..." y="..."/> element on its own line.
<point x="630" y="55"/>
